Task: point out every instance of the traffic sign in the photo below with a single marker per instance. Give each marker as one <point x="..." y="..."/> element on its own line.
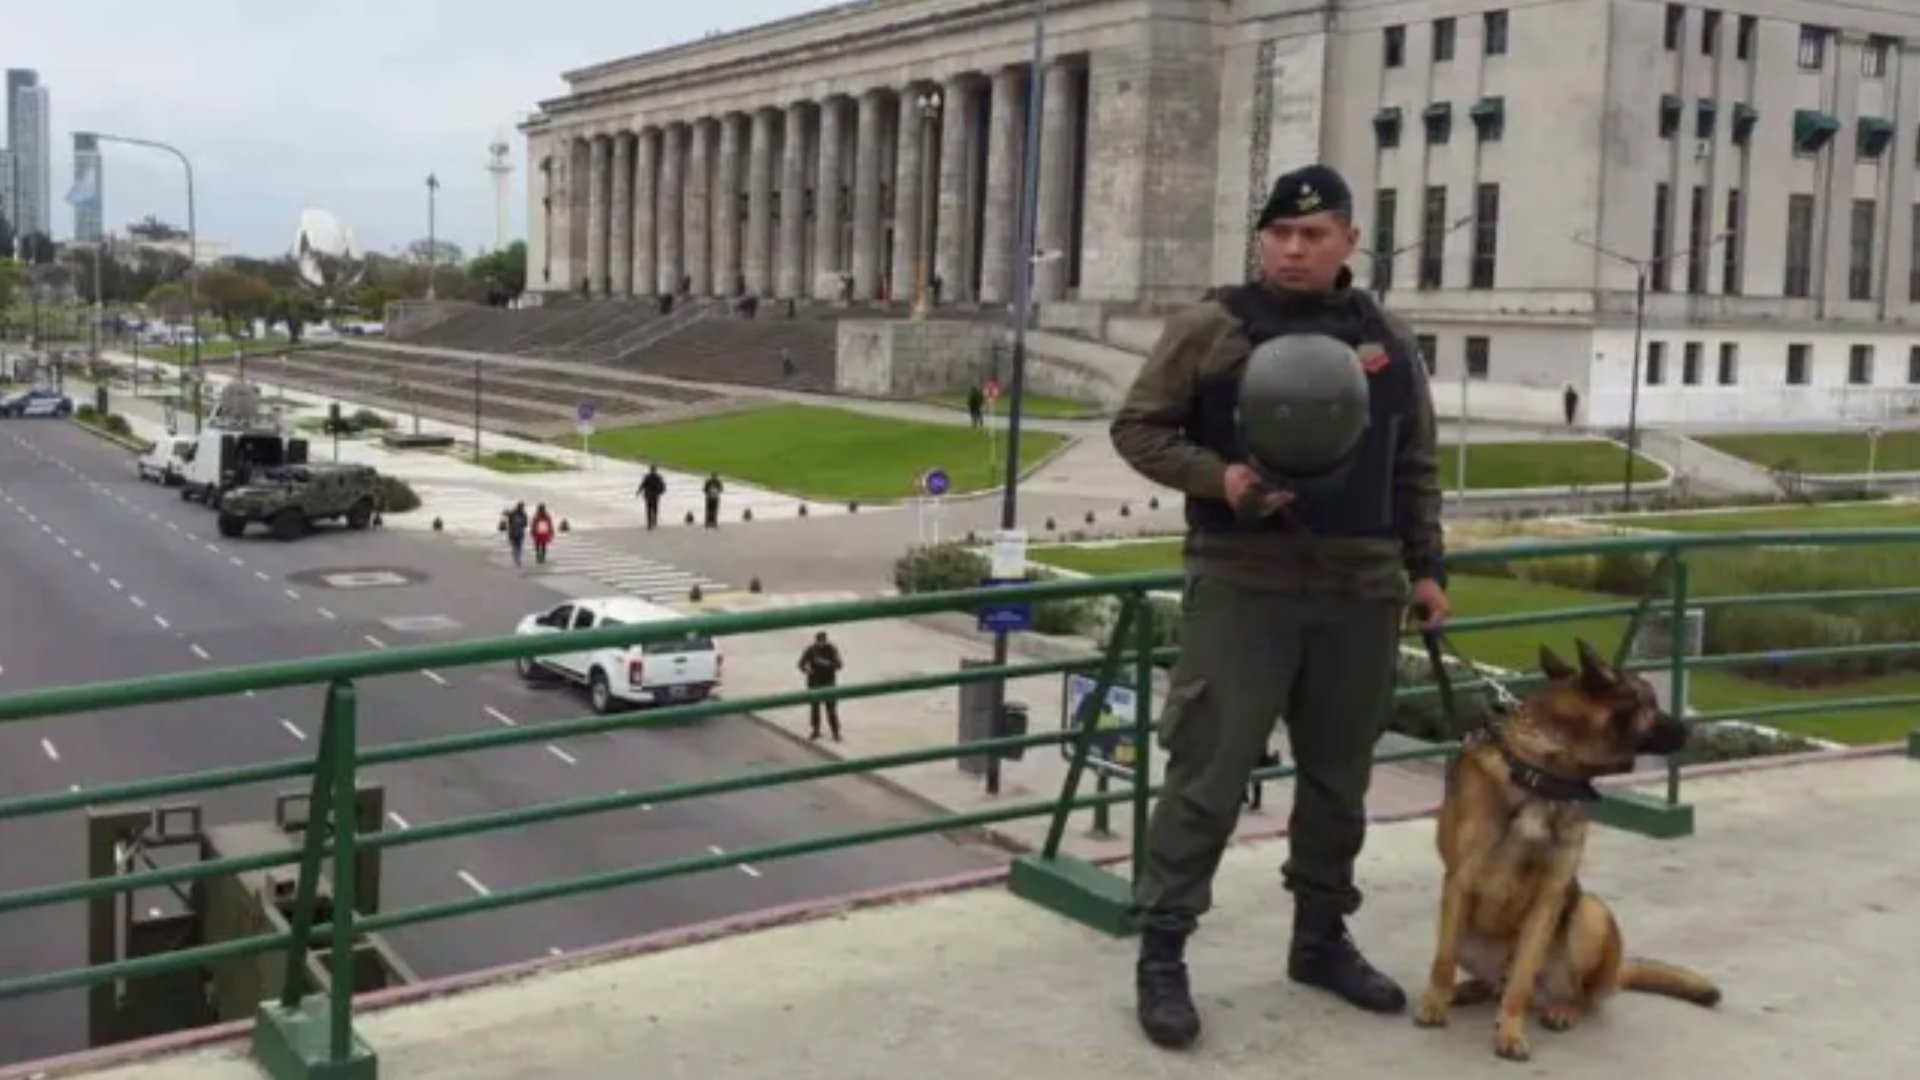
<point x="1007" y="616"/>
<point x="991" y="388"/>
<point x="1874" y="433"/>
<point x="585" y="412"/>
<point x="1112" y="752"/>
<point x="934" y="482"/>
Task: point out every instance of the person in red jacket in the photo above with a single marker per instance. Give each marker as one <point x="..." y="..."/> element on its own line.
<point x="542" y="532"/>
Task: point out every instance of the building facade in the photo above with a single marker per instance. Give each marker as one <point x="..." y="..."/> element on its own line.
<point x="1518" y="168"/>
<point x="29" y="142"/>
<point x="89" y="194"/>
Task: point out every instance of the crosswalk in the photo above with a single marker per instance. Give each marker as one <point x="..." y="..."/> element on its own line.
<point x="624" y="571"/>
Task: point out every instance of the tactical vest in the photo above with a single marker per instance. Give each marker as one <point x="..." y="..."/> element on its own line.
<point x="1362" y="503"/>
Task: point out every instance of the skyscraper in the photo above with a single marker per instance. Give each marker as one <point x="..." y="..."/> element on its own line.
<point x="29" y="143"/>
<point x="88" y="196"/>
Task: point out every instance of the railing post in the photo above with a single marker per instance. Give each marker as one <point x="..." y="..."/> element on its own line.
<point x="1668" y="818"/>
<point x="1143" y="632"/>
<point x="1677" y="667"/>
<point x="304" y="1036"/>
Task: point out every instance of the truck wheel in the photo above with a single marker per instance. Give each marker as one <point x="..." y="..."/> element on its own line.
<point x="360" y="514"/>
<point x="231" y="525"/>
<point x="289" y="525"/>
<point x="600" y="693"/>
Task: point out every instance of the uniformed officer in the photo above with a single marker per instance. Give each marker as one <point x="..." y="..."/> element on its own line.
<point x="1294" y="599"/>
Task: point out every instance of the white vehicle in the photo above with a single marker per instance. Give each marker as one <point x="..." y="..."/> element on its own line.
<point x="680" y="669"/>
<point x="165" y="462"/>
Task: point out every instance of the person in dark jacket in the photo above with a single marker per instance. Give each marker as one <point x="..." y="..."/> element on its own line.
<point x="712" y="490"/>
<point x="821" y="664"/>
<point x="652" y="486"/>
<point x="976" y="405"/>
<point x="515" y="524"/>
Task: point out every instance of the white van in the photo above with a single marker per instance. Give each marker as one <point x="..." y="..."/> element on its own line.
<point x="165" y="462"/>
<point x="674" y="670"/>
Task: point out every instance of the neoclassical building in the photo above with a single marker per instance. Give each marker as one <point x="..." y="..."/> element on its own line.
<point x="1511" y="161"/>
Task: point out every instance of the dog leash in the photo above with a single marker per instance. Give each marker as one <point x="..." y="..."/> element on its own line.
<point x="1438" y="646"/>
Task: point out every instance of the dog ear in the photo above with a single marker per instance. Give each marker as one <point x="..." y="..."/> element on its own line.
<point x="1596" y="675"/>
<point x="1553" y="667"/>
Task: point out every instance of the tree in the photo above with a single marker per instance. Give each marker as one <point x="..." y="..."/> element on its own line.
<point x="295" y="310"/>
<point x="153" y="230"/>
<point x="169" y="301"/>
<point x="233" y="296"/>
<point x="502" y="274"/>
<point x="12" y="277"/>
<point x="448" y="252"/>
<point x="37" y="249"/>
<point x="6" y="238"/>
<point x="372" y="300"/>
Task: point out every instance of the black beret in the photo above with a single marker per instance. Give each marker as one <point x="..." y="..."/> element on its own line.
<point x="1312" y="189"/>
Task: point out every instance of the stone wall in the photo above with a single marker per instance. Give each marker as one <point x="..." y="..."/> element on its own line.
<point x="407" y="318"/>
<point x="913" y="359"/>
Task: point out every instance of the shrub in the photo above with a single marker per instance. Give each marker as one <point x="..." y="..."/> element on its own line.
<point x="86" y="413"/>
<point x="368" y="420"/>
<point x="939" y="568"/>
<point x="1727" y="742"/>
<point x="117" y="424"/>
<point x="397" y="496"/>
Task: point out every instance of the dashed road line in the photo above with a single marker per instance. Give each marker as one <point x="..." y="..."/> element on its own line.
<point x="192" y="537"/>
<point x="325" y="614"/>
<point x="262" y="575"/>
<point x="472" y="882"/>
<point x="137" y="602"/>
<point x="745" y="868"/>
<point x="293" y="729"/>
<point x="94" y="566"/>
<point x="500" y="716"/>
<point x="434" y="675"/>
<point x="562" y="755"/>
<point x="162" y="623"/>
<point x="115" y="582"/>
<point x="398" y="821"/>
<point x="293" y="594"/>
<point x="373" y="641"/>
<point x="53" y="753"/>
<point x="199" y="652"/>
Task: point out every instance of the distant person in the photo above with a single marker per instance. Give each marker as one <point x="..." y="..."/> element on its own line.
<point x="712" y="490"/>
<point x="542" y="530"/>
<point x="514" y="524"/>
<point x="652" y="486"/>
<point x="821" y="664"/>
<point x="976" y="405"/>
<point x="1571" y="402"/>
<point x="787" y="367"/>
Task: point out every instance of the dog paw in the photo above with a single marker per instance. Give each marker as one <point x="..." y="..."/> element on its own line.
<point x="1510" y="1043"/>
<point x="1432" y="1012"/>
<point x="1559" y="1017"/>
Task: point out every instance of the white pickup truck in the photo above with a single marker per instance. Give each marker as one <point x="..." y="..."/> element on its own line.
<point x="675" y="670"/>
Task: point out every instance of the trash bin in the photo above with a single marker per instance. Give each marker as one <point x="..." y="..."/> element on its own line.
<point x="1014" y="722"/>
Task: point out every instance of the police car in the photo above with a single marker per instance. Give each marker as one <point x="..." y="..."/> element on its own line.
<point x="37" y="402"/>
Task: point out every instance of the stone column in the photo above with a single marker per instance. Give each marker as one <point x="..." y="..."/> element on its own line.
<point x="673" y="193"/>
<point x="646" y="218"/>
<point x="760" y="204"/>
<point x="868" y="151"/>
<point x="599" y="177"/>
<point x="698" y="242"/>
<point x="620" y="242"/>
<point x="908" y="173"/>
<point x="790" y="270"/>
<point x="829" y="262"/>
<point x="956" y="144"/>
<point x="1000" y="227"/>
<point x="559" y="210"/>
<point x="1056" y="183"/>
<point x="577" y="215"/>
<point x="726" y="210"/>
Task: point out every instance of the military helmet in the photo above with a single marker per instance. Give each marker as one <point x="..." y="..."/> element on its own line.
<point x="1303" y="406"/>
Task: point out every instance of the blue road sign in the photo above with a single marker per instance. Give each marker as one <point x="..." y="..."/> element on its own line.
<point x="585" y="412"/>
<point x="1112" y="752"/>
<point x="935" y="482"/>
<point x="1006" y="617"/>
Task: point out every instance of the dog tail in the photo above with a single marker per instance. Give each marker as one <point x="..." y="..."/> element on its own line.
<point x="1669" y="980"/>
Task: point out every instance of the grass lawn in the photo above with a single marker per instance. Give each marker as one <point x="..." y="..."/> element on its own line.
<point x="1860" y="515"/>
<point x="1502" y="465"/>
<point x="825" y="453"/>
<point x="514" y="461"/>
<point x="1037" y="406"/>
<point x="1823" y="452"/>
<point x="1518" y="648"/>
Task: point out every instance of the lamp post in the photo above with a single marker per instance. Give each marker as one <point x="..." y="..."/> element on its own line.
<point x="193" y="259"/>
<point x="1641" y="269"/>
<point x="433" y="246"/>
<point x="929" y="103"/>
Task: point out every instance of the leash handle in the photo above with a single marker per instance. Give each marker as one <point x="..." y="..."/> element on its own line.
<point x="1442" y="679"/>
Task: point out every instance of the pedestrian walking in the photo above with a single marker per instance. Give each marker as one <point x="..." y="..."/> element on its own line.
<point x="652" y="486"/>
<point x="821" y="664"/>
<point x="542" y="530"/>
<point x="1570" y="402"/>
<point x="514" y="524"/>
<point x="1297" y="584"/>
<point x="976" y="405"/>
<point x="712" y="490"/>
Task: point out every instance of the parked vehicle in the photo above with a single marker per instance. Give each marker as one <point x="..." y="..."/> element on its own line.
<point x="679" y="669"/>
<point x="290" y="499"/>
<point x="38" y="401"/>
<point x="165" y="462"/>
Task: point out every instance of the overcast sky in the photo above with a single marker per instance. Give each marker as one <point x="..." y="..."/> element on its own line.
<point x="341" y="104"/>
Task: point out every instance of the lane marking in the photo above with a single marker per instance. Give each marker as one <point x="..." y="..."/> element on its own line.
<point x="555" y="951"/>
<point x="472" y="882"/>
<point x="137" y="602"/>
<point x="199" y="652"/>
<point x="398" y="821"/>
<point x="236" y="560"/>
<point x="93" y="566"/>
<point x="47" y="745"/>
<point x="262" y="575"/>
<point x="562" y="754"/>
<point x="324" y="613"/>
<point x="292" y="594"/>
<point x="373" y="641"/>
<point x="744" y="868"/>
<point x="434" y="675"/>
<point x="115" y="582"/>
<point x="193" y="538"/>
<point x="162" y="623"/>
<point x="174" y="525"/>
<point x="500" y="716"/>
<point x="293" y="729"/>
<point x="215" y="548"/>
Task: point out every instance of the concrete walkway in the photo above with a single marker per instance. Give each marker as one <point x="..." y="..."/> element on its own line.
<point x="1793" y="897"/>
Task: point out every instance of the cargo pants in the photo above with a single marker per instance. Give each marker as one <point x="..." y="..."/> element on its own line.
<point x="1327" y="665"/>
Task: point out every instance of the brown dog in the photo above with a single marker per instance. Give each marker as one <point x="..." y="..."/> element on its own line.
<point x="1512" y="834"/>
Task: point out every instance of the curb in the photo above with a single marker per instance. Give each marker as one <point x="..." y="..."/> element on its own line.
<point x="130" y="443"/>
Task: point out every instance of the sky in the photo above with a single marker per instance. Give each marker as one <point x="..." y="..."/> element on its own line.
<point x="346" y="105"/>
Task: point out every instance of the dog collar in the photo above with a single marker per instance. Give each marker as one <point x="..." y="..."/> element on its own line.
<point x="1543" y="784"/>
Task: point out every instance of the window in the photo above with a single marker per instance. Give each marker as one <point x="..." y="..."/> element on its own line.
<point x="1429" y="347"/>
<point x="1730" y="257"/>
<point x="1729" y="372"/>
<point x="1676" y="26"/>
<point x="1743" y="38"/>
<point x="1656" y="363"/>
<point x="1386" y="209"/>
<point x="1662" y="243"/>
<point x="1697" y="242"/>
<point x="1813" y="48"/>
<point x="1393" y="47"/>
<point x="1799" y="364"/>
<point x="1690" y="363"/>
<point x="1442" y="40"/>
<point x="1494" y="33"/>
<point x="1913" y="366"/>
<point x="1433" y="237"/>
<point x="1709" y="32"/>
<point x="1799" y="281"/>
<point x="1860" y="252"/>
<point x="1873" y="58"/>
<point x="1669" y="115"/>
<point x="1486" y="235"/>
<point x="1860" y="365"/>
<point x="1479" y="357"/>
<point x="1438" y="118"/>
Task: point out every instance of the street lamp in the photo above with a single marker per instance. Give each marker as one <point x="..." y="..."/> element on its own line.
<point x="433" y="247"/>
<point x="193" y="258"/>
<point x="1641" y="268"/>
<point x="929" y="103"/>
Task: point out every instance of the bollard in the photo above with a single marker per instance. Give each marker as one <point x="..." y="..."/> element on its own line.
<point x="1125" y="510"/>
<point x="379" y="519"/>
<point x="1050" y="525"/>
<point x="438" y="525"/>
<point x="689" y="517"/>
<point x="746" y="514"/>
<point x="694" y="594"/>
<point x="565" y="525"/>
<point x="1089" y="517"/>
<point x="803" y="509"/>
<point x="853" y="508"/>
<point x="1153" y="502"/>
<point x="753" y="586"/>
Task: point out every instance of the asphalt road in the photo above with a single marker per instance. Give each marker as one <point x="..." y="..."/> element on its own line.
<point x="106" y="577"/>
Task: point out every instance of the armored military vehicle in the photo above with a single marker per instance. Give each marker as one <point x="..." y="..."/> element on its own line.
<point x="288" y="499"/>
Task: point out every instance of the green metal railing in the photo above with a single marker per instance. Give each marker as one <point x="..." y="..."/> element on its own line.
<point x="304" y="1032"/>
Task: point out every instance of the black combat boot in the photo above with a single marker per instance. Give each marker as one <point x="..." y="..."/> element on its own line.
<point x="1324" y="956"/>
<point x="1165" y="1001"/>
